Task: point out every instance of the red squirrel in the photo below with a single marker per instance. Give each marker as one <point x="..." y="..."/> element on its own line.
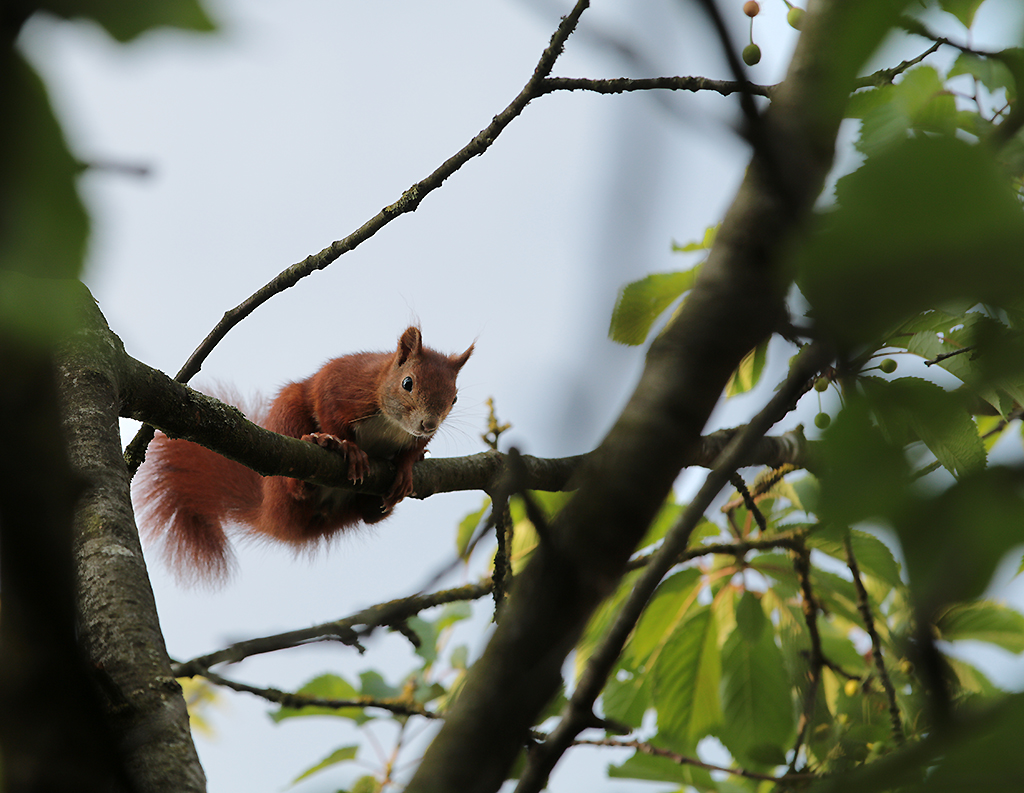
<point x="367" y="404"/>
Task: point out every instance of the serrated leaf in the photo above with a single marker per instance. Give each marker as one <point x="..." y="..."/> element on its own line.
<point x="626" y="698"/>
<point x="858" y="459"/>
<point x="330" y="687"/>
<point x="427" y="632"/>
<point x="686" y="678"/>
<point x="670" y="605"/>
<point x="919" y="101"/>
<point x="654" y="768"/>
<point x="748" y="373"/>
<point x="933" y="205"/>
<point x="939" y="418"/>
<point x="873" y="556"/>
<point x="341" y="755"/>
<point x="983" y="621"/>
<point x="757" y="700"/>
<point x="750" y="619"/>
<point x="990" y="72"/>
<point x="953" y="542"/>
<point x="641" y="303"/>
<point x="601" y="621"/>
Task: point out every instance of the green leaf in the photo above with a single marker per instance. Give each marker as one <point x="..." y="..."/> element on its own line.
<point x="428" y="635"/>
<point x="919" y="101"/>
<point x="654" y="768"/>
<point x="939" y="418"/>
<point x="750" y="619"/>
<point x="703" y="244"/>
<point x="857" y="459"/>
<point x="670" y="605"/>
<point x="373" y="685"/>
<point x="467" y="529"/>
<point x="125" y="21"/>
<point x="963" y="10"/>
<point x="686" y="679"/>
<point x="953" y="542"/>
<point x="43" y="223"/>
<point x="627" y="697"/>
<point x="990" y="72"/>
<point x="341" y="755"/>
<point x="325" y="687"/>
<point x="873" y="556"/>
<point x="601" y="621"/>
<point x="452" y="613"/>
<point x="912" y="223"/>
<point x="983" y="621"/>
<point x="640" y="303"/>
<point x="748" y="373"/>
<point x="757" y="703"/>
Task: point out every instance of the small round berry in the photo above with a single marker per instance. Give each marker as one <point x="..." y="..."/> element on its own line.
<point x="751" y="8"/>
<point x="821" y="384"/>
<point x="851" y="688"/>
<point x="822" y="420"/>
<point x="751" y="54"/>
<point x="795" y="18"/>
<point x="888" y="366"/>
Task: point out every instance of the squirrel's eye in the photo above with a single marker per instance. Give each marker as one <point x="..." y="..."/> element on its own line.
<point x="407" y="384"/>
<point x="455" y="399"/>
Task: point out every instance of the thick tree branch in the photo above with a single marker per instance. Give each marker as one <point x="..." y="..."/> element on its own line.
<point x="118" y="628"/>
<point x="54" y="732"/>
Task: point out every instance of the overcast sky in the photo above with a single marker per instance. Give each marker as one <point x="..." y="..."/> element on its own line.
<point x="288" y="130"/>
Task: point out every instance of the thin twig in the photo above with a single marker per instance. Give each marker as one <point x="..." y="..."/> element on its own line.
<point x="802" y="564"/>
<point x="343" y="630"/>
<point x="886" y="76"/>
<point x="502" y="575"/>
<point x="943" y="356"/>
<point x="624" y="84"/>
<point x="876" y="643"/>
<point x="657" y="751"/>
<point x="748" y="501"/>
<point x="399" y="707"/>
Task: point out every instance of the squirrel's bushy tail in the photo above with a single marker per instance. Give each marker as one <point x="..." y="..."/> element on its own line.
<point x="187" y="495"/>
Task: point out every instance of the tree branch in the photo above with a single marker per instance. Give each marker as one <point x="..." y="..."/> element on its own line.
<point x="624" y="84"/>
<point x="656" y="751"/>
<point x="343" y="630"/>
<point x="117" y="624"/>
<point x="397" y="707"/>
<point x="864" y="605"/>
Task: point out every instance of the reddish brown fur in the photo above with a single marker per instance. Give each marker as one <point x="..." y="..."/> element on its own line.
<point x="356" y="404"/>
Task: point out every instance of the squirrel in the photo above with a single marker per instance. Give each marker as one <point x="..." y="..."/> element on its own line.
<point x="366" y="404"/>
